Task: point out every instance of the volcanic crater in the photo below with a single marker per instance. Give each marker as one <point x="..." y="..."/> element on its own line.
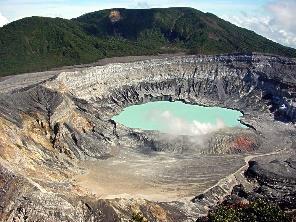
<point x="63" y="158"/>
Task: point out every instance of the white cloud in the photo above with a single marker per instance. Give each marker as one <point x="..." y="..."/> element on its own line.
<point x="284" y="14"/>
<point x="278" y="23"/>
<point x="142" y="5"/>
<point x="3" y="20"/>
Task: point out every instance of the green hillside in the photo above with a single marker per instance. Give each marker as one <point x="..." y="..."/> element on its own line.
<point x="36" y="43"/>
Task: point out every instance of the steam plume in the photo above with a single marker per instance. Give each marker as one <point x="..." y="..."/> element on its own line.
<point x="172" y="124"/>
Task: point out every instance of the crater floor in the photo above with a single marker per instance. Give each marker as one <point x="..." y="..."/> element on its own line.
<point x="156" y="177"/>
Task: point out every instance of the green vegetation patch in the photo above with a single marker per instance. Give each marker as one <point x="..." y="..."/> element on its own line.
<point x="38" y="44"/>
<point x="257" y="211"/>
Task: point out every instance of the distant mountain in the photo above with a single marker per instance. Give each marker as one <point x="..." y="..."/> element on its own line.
<point x="37" y="43"/>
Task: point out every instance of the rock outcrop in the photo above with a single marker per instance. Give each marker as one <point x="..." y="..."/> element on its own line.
<point x="276" y="180"/>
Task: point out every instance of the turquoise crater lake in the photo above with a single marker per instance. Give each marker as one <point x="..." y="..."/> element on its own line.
<point x="178" y="118"/>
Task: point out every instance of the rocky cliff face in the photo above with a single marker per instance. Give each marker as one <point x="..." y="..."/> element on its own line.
<point x="49" y="125"/>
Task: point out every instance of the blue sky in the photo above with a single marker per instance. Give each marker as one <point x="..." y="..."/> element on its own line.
<point x="14" y="9"/>
<point x="274" y="19"/>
